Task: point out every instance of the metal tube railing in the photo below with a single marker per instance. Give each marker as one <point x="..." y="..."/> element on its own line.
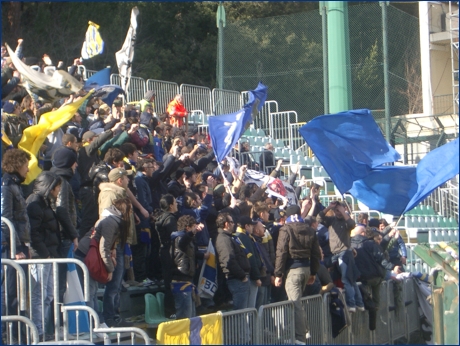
<point x="29" y="324"/>
<point x="12" y="236"/>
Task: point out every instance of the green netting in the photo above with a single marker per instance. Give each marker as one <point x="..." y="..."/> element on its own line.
<point x="286" y="53"/>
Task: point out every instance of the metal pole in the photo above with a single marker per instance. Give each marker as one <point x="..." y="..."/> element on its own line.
<point x="323" y="13"/>
<point x="220" y="17"/>
<point x="386" y="81"/>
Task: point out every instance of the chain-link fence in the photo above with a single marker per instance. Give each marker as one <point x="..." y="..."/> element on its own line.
<point x="286" y="53"/>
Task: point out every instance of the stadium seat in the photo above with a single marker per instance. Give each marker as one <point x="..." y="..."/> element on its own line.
<point x="154" y="308"/>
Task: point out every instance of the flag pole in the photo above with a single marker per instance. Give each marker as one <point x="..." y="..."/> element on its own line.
<point x="225" y="178"/>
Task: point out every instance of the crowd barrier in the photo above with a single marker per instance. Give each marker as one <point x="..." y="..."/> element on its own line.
<point x="241" y="327"/>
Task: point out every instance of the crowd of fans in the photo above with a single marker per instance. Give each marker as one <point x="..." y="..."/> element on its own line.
<point x="146" y="185"/>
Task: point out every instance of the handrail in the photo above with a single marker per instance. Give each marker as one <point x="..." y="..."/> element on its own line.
<point x="31" y="325"/>
<point x="22" y="282"/>
<point x="12" y="236"/>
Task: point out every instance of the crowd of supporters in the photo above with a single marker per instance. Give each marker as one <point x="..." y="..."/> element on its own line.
<point x="146" y="184"/>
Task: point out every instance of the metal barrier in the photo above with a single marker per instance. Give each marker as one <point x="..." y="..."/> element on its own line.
<point x="314" y="312"/>
<point x="115" y="79"/>
<point x="36" y="269"/>
<point x="89" y="73"/>
<point x="165" y="92"/>
<point x="382" y="330"/>
<point x="279" y="125"/>
<point x="397" y="312"/>
<point x="196" y="98"/>
<point x="414" y="263"/>
<point x="12" y="236"/>
<point x="226" y="101"/>
<point x="344" y="337"/>
<point x="412" y="313"/>
<point x="262" y="120"/>
<point x="360" y="333"/>
<point x="136" y="89"/>
<point x="30" y="328"/>
<point x="97" y="329"/>
<point x="276" y="324"/>
<point x="295" y="139"/>
<point x="239" y="327"/>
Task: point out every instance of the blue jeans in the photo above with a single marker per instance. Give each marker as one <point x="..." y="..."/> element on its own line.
<point x="352" y="293"/>
<point x="240" y="293"/>
<point x="42" y="274"/>
<point x="93" y="286"/>
<point x="113" y="287"/>
<point x="185" y="306"/>
<point x="263" y="296"/>
<point x="253" y="289"/>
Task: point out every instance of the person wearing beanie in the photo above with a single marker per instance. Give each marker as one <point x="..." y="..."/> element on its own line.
<point x="176" y="186"/>
<point x="297" y="261"/>
<point x="147" y="101"/>
<point x="64" y="165"/>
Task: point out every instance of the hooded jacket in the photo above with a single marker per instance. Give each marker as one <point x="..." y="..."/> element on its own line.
<point x="14" y="208"/>
<point x="232" y="258"/>
<point x="64" y="206"/>
<point x="106" y="233"/>
<point x="44" y="227"/>
<point x="177" y="112"/>
<point x="165" y="226"/>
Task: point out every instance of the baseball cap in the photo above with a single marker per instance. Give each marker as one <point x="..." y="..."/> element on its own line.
<point x="117" y="173"/>
<point x="245" y="220"/>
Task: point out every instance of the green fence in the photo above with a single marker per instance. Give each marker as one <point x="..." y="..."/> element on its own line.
<point x="286" y="53"/>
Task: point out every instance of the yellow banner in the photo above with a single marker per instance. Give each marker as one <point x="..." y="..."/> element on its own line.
<point x="34" y="136"/>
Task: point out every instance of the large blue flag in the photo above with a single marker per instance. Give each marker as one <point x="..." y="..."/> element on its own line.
<point x="348" y="145"/>
<point x="352" y="152"/>
<point x="98" y="79"/>
<point x="225" y="130"/>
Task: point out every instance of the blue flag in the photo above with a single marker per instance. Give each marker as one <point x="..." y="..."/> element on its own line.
<point x="352" y="149"/>
<point x="98" y="79"/>
<point x="348" y="145"/>
<point x="225" y="130"/>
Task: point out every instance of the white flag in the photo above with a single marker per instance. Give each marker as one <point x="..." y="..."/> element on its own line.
<point x="207" y="282"/>
<point x="125" y="55"/>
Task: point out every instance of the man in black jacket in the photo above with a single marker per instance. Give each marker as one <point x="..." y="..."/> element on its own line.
<point x="298" y="253"/>
<point x="233" y="262"/>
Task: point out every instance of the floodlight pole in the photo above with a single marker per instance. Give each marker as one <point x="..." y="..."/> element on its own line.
<point x="220" y="18"/>
<point x="386" y="79"/>
<point x="323" y="12"/>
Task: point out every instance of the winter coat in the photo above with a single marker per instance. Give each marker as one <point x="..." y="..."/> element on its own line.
<point x="44" y="226"/>
<point x="144" y="196"/>
<point x="177" y="112"/>
<point x="175" y="188"/>
<point x="64" y="206"/>
<point x="200" y="214"/>
<point x="165" y="226"/>
<point x="370" y="259"/>
<point x="106" y="233"/>
<point x="14" y="208"/>
<point x="251" y="252"/>
<point x="157" y="181"/>
<point x="339" y="232"/>
<point x="297" y="246"/>
<point x="232" y="258"/>
<point x="183" y="254"/>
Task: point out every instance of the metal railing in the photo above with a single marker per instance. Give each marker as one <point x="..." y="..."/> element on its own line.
<point x="30" y="329"/>
<point x="133" y="331"/>
<point x="382" y="333"/>
<point x="226" y="101"/>
<point x="315" y="316"/>
<point x="196" y="98"/>
<point x="344" y="338"/>
<point x="279" y="123"/>
<point x="276" y="323"/>
<point x="165" y="92"/>
<point x="240" y="327"/>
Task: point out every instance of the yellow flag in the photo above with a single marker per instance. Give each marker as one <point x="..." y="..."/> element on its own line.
<point x="34" y="136"/>
<point x="5" y="139"/>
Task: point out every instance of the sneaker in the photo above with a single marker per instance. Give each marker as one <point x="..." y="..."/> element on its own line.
<point x="125" y="284"/>
<point x="361" y="308"/>
<point x="147" y="282"/>
<point x="351" y="309"/>
<point x="298" y="342"/>
<point x="308" y="335"/>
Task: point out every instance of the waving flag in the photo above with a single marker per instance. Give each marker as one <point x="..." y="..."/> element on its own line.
<point x="100" y="81"/>
<point x="125" y="55"/>
<point x="74" y="296"/>
<point x="33" y="137"/>
<point x="201" y="330"/>
<point x="41" y="85"/>
<point x="225" y="130"/>
<point x="207" y="282"/>
<point x="348" y="145"/>
<point x="93" y="44"/>
<point x="352" y="149"/>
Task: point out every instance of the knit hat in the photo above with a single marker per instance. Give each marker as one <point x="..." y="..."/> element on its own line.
<point x="278" y="214"/>
<point x="9" y="106"/>
<point x="192" y="130"/>
<point x="374" y="223"/>
<point x="88" y="135"/>
<point x="64" y="157"/>
<point x="149" y="94"/>
<point x="219" y="190"/>
<point x="189" y="171"/>
<point x="117" y="173"/>
<point x="206" y="175"/>
<point x="118" y="103"/>
<point x="292" y="210"/>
